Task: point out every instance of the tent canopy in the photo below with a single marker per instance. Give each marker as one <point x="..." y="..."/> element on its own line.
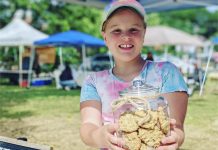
<point x="215" y="40"/>
<point x="18" y="32"/>
<point x="153" y="5"/>
<point x="163" y="35"/>
<point x="165" y="5"/>
<point x="71" y="38"/>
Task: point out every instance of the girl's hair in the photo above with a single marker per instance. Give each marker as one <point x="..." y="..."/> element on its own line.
<point x="104" y="24"/>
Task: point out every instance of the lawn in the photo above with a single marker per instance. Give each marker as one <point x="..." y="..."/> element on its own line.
<point x="51" y="117"/>
<point x="202" y="119"/>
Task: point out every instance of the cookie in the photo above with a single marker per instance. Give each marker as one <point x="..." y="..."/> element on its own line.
<point x="127" y="123"/>
<point x="152" y="122"/>
<point x="142" y="117"/>
<point x="132" y="141"/>
<point x="152" y="138"/>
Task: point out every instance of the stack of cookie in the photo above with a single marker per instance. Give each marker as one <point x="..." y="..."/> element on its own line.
<point x="144" y="129"/>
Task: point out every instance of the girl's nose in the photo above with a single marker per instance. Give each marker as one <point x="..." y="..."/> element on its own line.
<point x="126" y="36"/>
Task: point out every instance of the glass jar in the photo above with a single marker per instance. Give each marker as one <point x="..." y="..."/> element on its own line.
<point x="142" y="115"/>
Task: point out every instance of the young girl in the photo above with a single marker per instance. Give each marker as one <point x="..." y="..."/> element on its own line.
<point x="123" y="30"/>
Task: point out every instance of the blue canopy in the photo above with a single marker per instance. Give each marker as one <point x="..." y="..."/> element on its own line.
<point x="71" y="38"/>
<point x="215" y="40"/>
<point x="154" y="5"/>
<point x="165" y="5"/>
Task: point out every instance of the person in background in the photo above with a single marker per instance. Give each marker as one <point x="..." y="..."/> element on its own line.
<point x="150" y="56"/>
<point x="36" y="65"/>
<point x="26" y="63"/>
<point x="123" y="30"/>
<point x="64" y="77"/>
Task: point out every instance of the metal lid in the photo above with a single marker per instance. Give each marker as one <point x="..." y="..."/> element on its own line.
<point x="140" y="88"/>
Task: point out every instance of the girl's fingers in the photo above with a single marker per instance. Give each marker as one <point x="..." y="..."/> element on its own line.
<point x="168" y="147"/>
<point x="112" y="128"/>
<point x="170" y="139"/>
<point x="117" y="141"/>
<point x="114" y="147"/>
<point x="172" y="123"/>
<point x="170" y="142"/>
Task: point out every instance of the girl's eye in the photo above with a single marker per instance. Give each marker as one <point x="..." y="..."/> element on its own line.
<point x="133" y="30"/>
<point x="117" y="31"/>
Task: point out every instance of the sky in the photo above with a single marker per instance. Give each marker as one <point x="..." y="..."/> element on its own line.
<point x="212" y="9"/>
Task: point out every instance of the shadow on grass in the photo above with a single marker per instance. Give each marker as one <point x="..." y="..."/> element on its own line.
<point x="13" y="96"/>
<point x="15" y="115"/>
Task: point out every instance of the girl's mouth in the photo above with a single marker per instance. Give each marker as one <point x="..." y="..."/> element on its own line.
<point x="126" y="46"/>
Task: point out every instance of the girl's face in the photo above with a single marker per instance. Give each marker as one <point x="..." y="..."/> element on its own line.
<point x="124" y="35"/>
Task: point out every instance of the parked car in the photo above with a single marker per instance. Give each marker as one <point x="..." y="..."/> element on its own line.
<point x="95" y="63"/>
<point x="100" y="62"/>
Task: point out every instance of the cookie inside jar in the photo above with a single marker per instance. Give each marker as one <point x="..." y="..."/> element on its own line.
<point x="142" y="115"/>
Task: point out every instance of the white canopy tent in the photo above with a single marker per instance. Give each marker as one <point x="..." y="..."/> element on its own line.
<point x="166" y="36"/>
<point x="163" y="35"/>
<point x="19" y="34"/>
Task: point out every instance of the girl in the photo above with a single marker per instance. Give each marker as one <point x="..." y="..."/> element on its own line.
<point x="123" y="31"/>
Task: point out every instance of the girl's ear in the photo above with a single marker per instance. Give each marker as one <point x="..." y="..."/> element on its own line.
<point x="103" y="35"/>
<point x="144" y="33"/>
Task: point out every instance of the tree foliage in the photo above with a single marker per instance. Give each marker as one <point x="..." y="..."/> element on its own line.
<point x="52" y="16"/>
<point x="195" y="21"/>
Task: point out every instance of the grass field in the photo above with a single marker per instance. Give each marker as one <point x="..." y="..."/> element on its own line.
<point x="51" y="117"/>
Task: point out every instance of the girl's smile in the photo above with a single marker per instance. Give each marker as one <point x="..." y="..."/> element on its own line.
<point x="126" y="48"/>
<point x="124" y="35"/>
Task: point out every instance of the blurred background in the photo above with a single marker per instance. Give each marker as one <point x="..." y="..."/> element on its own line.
<point x="47" y="47"/>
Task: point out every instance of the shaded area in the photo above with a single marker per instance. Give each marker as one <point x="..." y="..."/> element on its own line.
<point x="11" y="96"/>
<point x="7" y="114"/>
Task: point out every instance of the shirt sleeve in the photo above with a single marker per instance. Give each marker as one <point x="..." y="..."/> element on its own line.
<point x="172" y="79"/>
<point x="89" y="91"/>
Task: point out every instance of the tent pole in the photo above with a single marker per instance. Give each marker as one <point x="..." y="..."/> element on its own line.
<point x="165" y="52"/>
<point x="20" y="65"/>
<point x="84" y="57"/>
<point x="111" y="59"/>
<point x="6" y="50"/>
<point x="206" y="70"/>
<point x="60" y="55"/>
<point x="30" y="71"/>
<point x="15" y="54"/>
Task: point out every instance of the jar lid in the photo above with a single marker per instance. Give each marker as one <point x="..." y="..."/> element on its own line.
<point x="140" y="88"/>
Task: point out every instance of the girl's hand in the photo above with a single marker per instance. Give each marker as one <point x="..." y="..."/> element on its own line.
<point x="170" y="142"/>
<point x="109" y="138"/>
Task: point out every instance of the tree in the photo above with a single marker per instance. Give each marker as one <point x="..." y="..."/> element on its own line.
<point x="195" y="21"/>
<point x="54" y="17"/>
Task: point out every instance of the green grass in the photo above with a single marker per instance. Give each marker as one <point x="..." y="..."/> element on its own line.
<point x="203" y="107"/>
<point x="201" y="124"/>
<point x="18" y="102"/>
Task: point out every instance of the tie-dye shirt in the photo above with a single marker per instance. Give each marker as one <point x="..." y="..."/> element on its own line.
<point x="104" y="86"/>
